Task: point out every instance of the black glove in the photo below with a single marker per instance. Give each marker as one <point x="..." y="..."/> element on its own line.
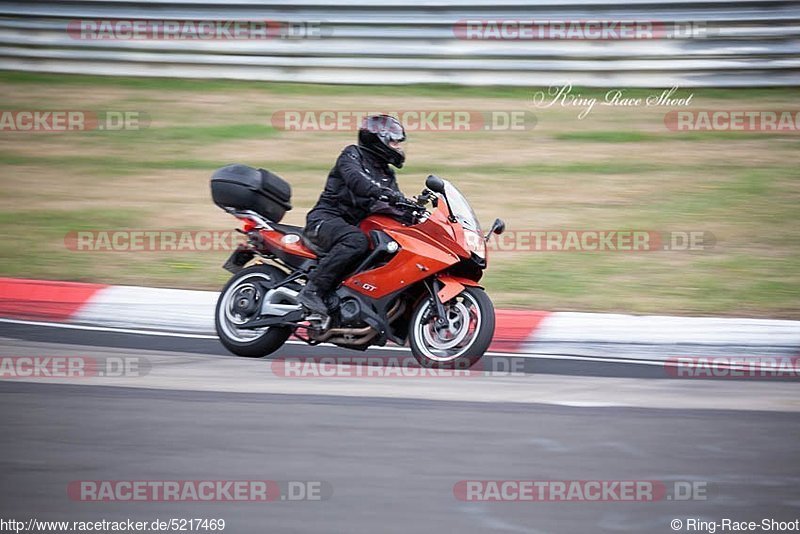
<point x="424" y="197"/>
<point x="409" y="217"/>
<point x="391" y="196"/>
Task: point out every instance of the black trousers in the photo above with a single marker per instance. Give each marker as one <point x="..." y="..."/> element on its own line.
<point x="345" y="246"/>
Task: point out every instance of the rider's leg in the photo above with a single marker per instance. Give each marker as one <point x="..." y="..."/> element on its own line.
<point x="345" y="246"/>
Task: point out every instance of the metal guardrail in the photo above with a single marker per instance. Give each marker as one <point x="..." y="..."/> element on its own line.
<point x="733" y="43"/>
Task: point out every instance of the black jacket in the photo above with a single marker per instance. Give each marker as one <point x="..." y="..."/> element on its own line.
<point x="353" y="186"/>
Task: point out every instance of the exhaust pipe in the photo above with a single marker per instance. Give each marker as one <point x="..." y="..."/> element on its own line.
<point x="357" y="336"/>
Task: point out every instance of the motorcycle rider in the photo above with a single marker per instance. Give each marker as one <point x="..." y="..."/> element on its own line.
<point x="356" y="185"/>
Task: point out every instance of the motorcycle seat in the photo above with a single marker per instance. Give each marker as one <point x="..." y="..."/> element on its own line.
<point x="298" y="230"/>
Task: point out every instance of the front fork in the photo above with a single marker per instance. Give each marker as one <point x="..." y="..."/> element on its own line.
<point x="442" y="289"/>
<point x="439" y="313"/>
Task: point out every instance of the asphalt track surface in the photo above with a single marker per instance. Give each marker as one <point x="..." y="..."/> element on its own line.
<point x="389" y="450"/>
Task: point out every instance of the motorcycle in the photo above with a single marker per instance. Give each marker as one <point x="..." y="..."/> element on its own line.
<point x="418" y="283"/>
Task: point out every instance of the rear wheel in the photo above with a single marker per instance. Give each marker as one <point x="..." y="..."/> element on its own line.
<point x="462" y="339"/>
<point x="239" y="302"/>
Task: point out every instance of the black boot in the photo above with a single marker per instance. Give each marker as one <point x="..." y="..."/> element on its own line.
<point x="311" y="297"/>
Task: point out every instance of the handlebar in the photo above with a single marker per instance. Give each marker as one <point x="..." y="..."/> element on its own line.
<point x="414" y="212"/>
<point x="406" y="204"/>
<point x="414" y="208"/>
<point x="425" y="196"/>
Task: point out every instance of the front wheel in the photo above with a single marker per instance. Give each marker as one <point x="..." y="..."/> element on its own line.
<point x="462" y="340"/>
<point x="239" y="302"/>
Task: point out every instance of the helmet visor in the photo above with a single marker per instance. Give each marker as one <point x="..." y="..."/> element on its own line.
<point x="395" y="132"/>
<point x="386" y="127"/>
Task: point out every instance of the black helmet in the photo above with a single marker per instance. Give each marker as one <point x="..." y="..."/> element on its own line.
<point x="378" y="133"/>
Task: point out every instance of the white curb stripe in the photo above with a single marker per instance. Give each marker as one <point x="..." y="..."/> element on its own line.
<point x="654" y="329"/>
<point x="146" y="307"/>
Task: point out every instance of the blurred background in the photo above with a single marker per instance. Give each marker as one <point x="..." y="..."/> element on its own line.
<point x="200" y="103"/>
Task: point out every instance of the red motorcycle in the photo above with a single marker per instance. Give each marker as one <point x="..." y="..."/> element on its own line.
<point x="419" y="282"/>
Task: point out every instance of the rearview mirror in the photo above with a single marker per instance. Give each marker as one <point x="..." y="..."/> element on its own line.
<point x="498" y="227"/>
<point x="435" y="184"/>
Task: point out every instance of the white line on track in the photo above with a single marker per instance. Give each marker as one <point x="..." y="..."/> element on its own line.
<point x="109" y="329"/>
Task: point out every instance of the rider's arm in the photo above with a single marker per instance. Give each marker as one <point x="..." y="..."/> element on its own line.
<point x="357" y="180"/>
